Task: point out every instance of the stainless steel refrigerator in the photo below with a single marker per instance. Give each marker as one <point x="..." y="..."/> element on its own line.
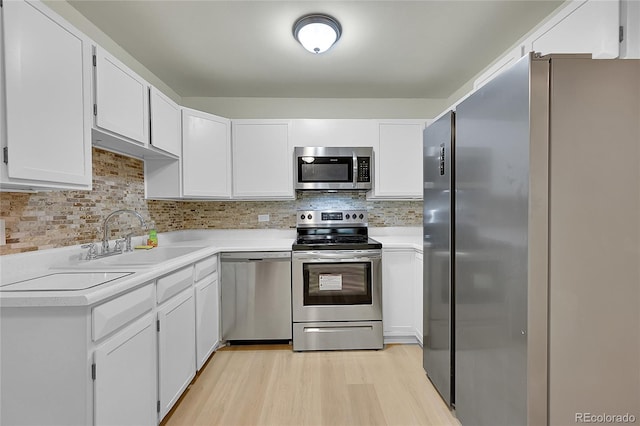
<point x="532" y="245"/>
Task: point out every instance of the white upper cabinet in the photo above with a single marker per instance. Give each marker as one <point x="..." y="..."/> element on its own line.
<point x="122" y="99"/>
<point x="334" y="132"/>
<point x="262" y="160"/>
<point x="398" y="160"/>
<point x="630" y="21"/>
<point x="582" y="26"/>
<point x="588" y="27"/>
<point x="163" y="176"/>
<point x="206" y="155"/>
<point x="166" y="123"/>
<point x="46" y="100"/>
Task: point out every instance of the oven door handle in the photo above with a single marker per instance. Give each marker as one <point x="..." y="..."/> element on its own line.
<point x="331" y="260"/>
<point x="337" y="257"/>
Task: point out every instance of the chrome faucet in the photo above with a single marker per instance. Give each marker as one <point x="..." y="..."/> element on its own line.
<point x="105" y="237"/>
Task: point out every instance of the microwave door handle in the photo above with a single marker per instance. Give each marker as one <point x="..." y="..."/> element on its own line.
<point x="355" y="170"/>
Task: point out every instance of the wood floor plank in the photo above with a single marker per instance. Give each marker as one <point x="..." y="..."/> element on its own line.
<point x="272" y="385"/>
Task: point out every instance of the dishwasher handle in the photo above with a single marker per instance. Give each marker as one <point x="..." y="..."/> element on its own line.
<point x="269" y="256"/>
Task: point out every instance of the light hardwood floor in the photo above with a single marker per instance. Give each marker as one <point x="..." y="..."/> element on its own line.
<point x="272" y="385"/>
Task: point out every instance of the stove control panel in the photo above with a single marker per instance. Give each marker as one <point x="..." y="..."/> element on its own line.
<point x="319" y="218"/>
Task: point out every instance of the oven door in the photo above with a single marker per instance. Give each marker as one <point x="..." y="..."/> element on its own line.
<point x="336" y="285"/>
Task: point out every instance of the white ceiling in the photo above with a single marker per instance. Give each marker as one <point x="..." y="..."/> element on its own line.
<point x="388" y="49"/>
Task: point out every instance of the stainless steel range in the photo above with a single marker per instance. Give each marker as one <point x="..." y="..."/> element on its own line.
<point x="336" y="282"/>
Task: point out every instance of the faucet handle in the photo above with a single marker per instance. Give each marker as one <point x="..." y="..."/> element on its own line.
<point x="93" y="251"/>
<point x="118" y="247"/>
<point x="127" y="241"/>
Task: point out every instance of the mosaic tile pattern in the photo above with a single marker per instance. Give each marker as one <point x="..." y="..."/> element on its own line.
<point x="244" y="214"/>
<point x="52" y="219"/>
<point x="61" y="218"/>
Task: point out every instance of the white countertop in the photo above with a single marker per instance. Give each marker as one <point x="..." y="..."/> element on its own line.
<point x="51" y="263"/>
<point x="398" y="237"/>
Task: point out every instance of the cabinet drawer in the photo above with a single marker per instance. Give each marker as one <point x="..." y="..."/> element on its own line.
<point x="206" y="267"/>
<point x="174" y="283"/>
<point x="114" y="314"/>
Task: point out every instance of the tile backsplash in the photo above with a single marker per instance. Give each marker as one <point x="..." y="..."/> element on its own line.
<point x="41" y="220"/>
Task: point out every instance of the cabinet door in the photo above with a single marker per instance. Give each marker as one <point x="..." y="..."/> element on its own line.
<point x="592" y="27"/>
<point x="166" y="123"/>
<point x="398" y="294"/>
<point x="207" y="328"/>
<point x="262" y="160"/>
<point x="48" y="99"/>
<point x="398" y="172"/>
<point x="125" y="383"/>
<point x="176" y="348"/>
<point x="122" y="99"/>
<point x="418" y="299"/>
<point x="206" y="155"/>
<point x="341" y="132"/>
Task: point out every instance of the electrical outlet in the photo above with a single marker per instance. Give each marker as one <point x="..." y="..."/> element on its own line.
<point x="263" y="218"/>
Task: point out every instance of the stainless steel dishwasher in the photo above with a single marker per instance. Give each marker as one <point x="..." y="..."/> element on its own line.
<point x="256" y="295"/>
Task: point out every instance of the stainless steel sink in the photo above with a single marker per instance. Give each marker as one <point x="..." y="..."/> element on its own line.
<point x="137" y="258"/>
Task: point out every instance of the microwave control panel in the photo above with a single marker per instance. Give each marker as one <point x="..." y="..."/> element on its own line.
<point x="363" y="169"/>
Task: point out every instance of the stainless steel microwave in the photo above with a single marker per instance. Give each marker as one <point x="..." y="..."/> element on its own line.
<point x="333" y="168"/>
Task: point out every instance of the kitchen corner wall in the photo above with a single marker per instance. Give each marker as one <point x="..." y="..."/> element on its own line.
<point x="42" y="220"/>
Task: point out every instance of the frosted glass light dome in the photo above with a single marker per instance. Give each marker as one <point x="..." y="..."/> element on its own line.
<point x="317" y="33"/>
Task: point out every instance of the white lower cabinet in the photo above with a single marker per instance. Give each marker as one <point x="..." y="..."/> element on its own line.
<point x="125" y="361"/>
<point x="176" y="348"/>
<point x="398" y="295"/>
<point x="418" y="305"/>
<point x="125" y="383"/>
<point x="207" y="324"/>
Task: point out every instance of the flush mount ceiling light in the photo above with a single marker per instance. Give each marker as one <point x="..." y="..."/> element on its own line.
<point x="316" y="32"/>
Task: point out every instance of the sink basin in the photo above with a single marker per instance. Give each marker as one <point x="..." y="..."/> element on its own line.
<point x="66" y="281"/>
<point x="137" y="258"/>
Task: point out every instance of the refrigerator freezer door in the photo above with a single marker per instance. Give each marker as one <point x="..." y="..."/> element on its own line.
<point x="491" y="237"/>
<point x="438" y="173"/>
